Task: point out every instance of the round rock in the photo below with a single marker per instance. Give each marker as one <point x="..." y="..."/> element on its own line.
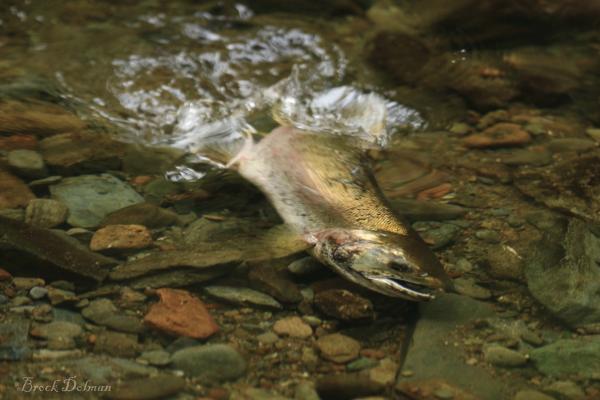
<point x="503" y="357"/>
<point x="45" y="213"/>
<point x="293" y="327"/>
<point x="338" y="348"/>
<point x="210" y="363"/>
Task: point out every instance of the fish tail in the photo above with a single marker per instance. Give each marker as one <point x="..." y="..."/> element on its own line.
<point x="204" y="132"/>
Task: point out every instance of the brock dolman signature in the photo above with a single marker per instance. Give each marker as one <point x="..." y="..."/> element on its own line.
<point x="69" y="384"/>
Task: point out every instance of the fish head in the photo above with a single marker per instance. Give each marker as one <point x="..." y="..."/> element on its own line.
<point x="391" y="264"/>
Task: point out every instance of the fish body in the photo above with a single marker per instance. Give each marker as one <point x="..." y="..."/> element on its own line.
<point x="315" y="174"/>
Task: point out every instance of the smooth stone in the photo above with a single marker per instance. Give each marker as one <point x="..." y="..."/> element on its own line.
<point x="344" y="305"/>
<point x="468" y="287"/>
<point x="430" y="356"/>
<point x="91" y="197"/>
<point x="338" y="348"/>
<point x="256" y="394"/>
<point x="13" y="213"/>
<point x="243" y="296"/>
<point x="306" y="391"/>
<point x="292" y="326"/>
<point x="529" y="394"/>
<point x="156" y="357"/>
<point x="57" y="329"/>
<point x="155" y="387"/>
<point x="38" y="292"/>
<point x="57" y="296"/>
<point x="577" y="357"/>
<point x="27" y="283"/>
<point x="3" y="299"/>
<point x="267" y="338"/>
<point x="570" y="144"/>
<point x="116" y="344"/>
<point x="101" y="369"/>
<point x="527" y="157"/>
<point x="503" y="357"/>
<point x="385" y="373"/>
<point x="567" y="389"/>
<point x="488" y="235"/>
<point x="14" y="193"/>
<point x="267" y="278"/>
<point x="26" y="163"/>
<point x="460" y="128"/>
<point x="45" y="213"/>
<point x="54" y="355"/>
<point x="305" y="266"/>
<point x="594" y="133"/>
<point x="179" y="313"/>
<point x="104" y="312"/>
<point x="115" y="238"/>
<point x="210" y="363"/>
<point x="14" y="332"/>
<point x="438" y="234"/>
<point x="147" y="214"/>
<point x="419" y="210"/>
<point x="361" y="363"/>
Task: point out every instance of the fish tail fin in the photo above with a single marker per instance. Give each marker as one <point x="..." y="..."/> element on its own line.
<point x="204" y="132"/>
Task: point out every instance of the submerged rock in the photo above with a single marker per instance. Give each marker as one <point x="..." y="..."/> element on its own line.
<point x="156" y="387"/>
<point x="210" y="363"/>
<point x="338" y="348"/>
<point x="45" y="213"/>
<point x="147" y="214"/>
<point x="499" y="135"/>
<point x="91" y="197"/>
<point x="293" y="327"/>
<point x="578" y="357"/>
<point x="27" y="163"/>
<point x="181" y="314"/>
<point x="562" y="273"/>
<point x="343" y="304"/>
<point x="14" y="192"/>
<point x="243" y="296"/>
<point x="120" y="238"/>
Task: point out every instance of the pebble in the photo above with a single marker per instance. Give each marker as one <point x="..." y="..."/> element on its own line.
<point x="57" y="296"/>
<point x="361" y="363"/>
<point x="468" y="287"/>
<point x="121" y="237"/>
<point x="293" y="327"/>
<point x="570" y="144"/>
<point x="243" y="296"/>
<point x="498" y="135"/>
<point x="179" y="313"/>
<point x="268" y="279"/>
<point x="45" y="213"/>
<point x="567" y="389"/>
<point x="38" y="292"/>
<point x="460" y="128"/>
<point x="529" y="394"/>
<point x="343" y="304"/>
<point x="156" y="357"/>
<point x="19" y="301"/>
<point x="147" y="214"/>
<point x="5" y="275"/>
<point x="91" y="197"/>
<point x="26" y="163"/>
<point x="338" y="348"/>
<point x="312" y="320"/>
<point x="385" y="373"/>
<point x="267" y="338"/>
<point x="210" y="363"/>
<point x="503" y="357"/>
<point x="488" y="235"/>
<point x="116" y="344"/>
<point x="306" y="391"/>
<point x="60" y="334"/>
<point x="27" y="283"/>
<point x="13" y="192"/>
<point x="155" y="387"/>
<point x="305" y="266"/>
<point x="594" y="133"/>
<point x="104" y="312"/>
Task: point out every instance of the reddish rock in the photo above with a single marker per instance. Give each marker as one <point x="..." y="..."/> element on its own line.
<point x="18" y="142"/>
<point x="338" y="348"/>
<point x="121" y="237"/>
<point x="499" y="135"/>
<point x="5" y="275"/>
<point x="179" y="313"/>
<point x="14" y="193"/>
<point x="42" y="119"/>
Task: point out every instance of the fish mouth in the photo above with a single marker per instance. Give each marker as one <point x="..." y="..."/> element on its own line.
<point x="404" y="289"/>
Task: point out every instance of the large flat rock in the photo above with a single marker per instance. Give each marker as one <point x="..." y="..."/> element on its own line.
<point x="433" y="357"/>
